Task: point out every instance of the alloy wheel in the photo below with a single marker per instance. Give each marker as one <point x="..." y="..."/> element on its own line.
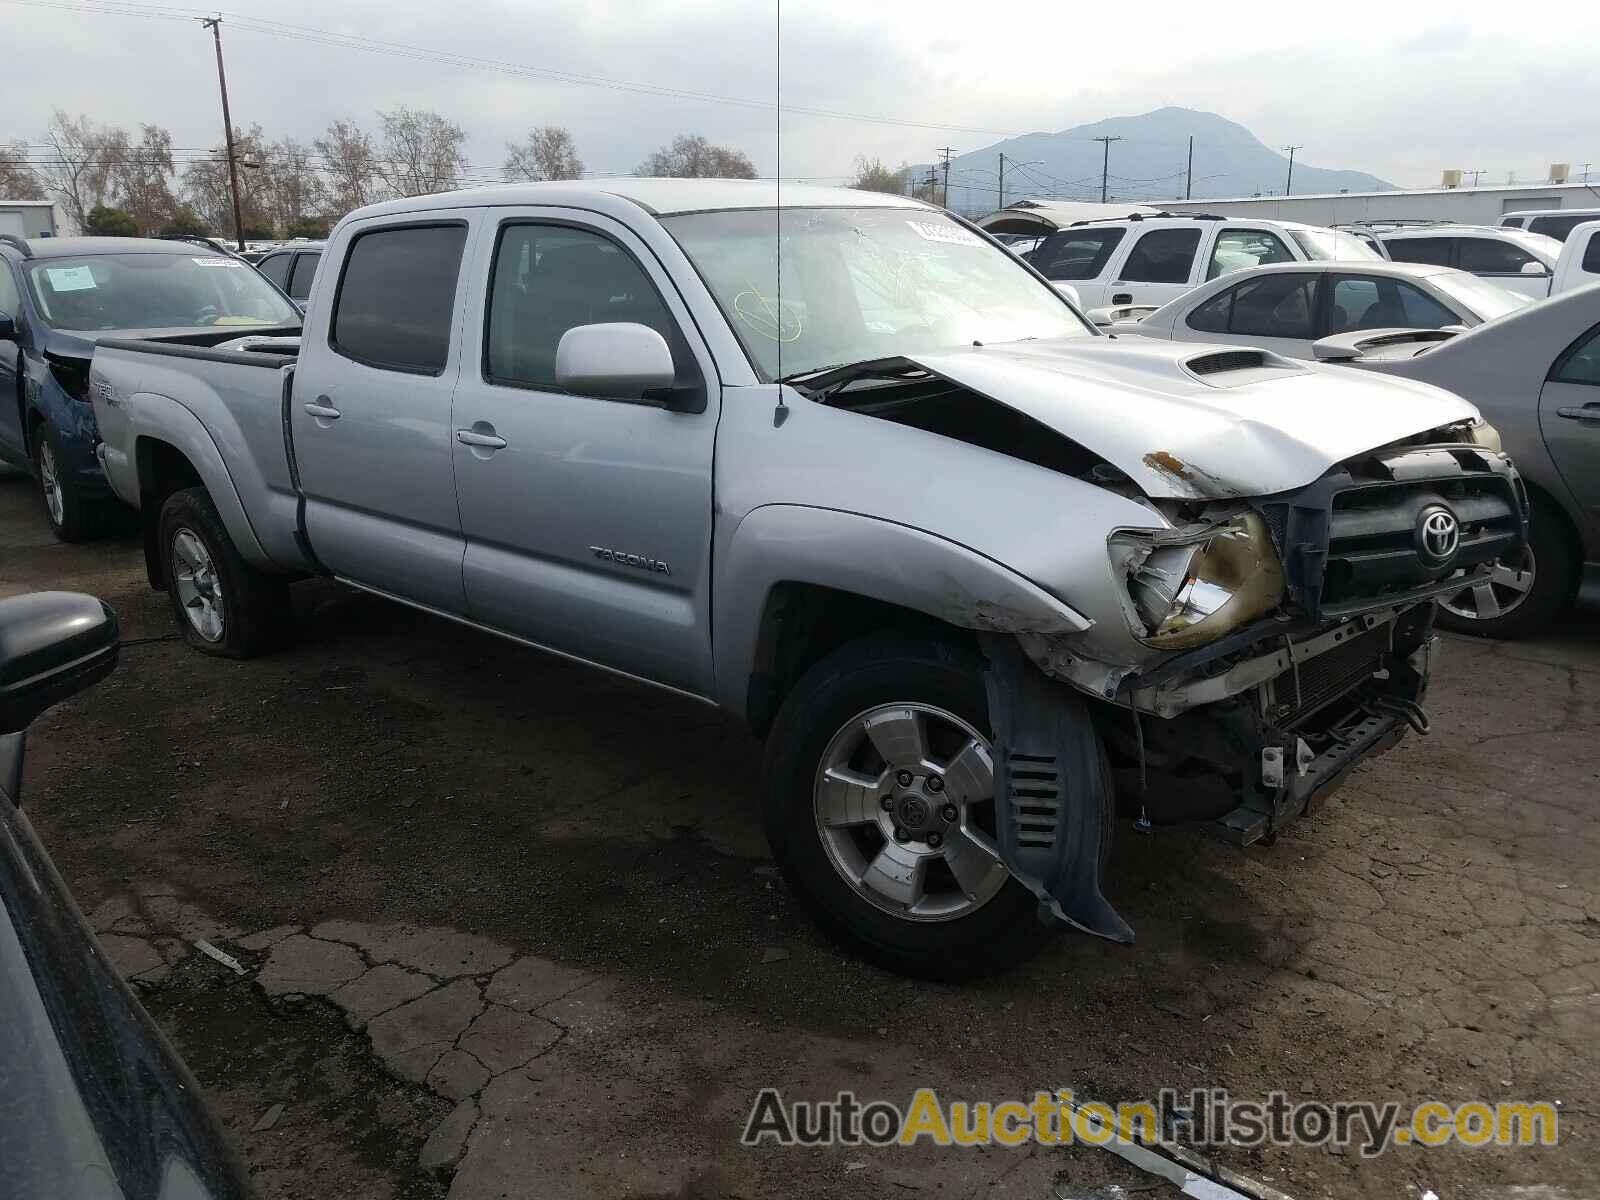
<point x="904" y="805"/>
<point x="1506" y="589"/>
<point x="199" y="586"/>
<point x="50" y="483"/>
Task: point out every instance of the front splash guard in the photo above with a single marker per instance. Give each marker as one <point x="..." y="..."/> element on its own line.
<point x="1054" y="803"/>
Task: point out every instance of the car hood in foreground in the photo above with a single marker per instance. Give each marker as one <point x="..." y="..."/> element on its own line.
<point x="1187" y="421"/>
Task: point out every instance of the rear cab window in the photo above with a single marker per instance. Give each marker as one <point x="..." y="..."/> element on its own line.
<point x="1434" y="251"/>
<point x="305" y="267"/>
<point x="1162" y="256"/>
<point x="396" y="300"/>
<point x="1591" y="255"/>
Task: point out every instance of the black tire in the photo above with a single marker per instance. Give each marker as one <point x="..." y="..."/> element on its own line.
<point x="885" y="669"/>
<point x="255" y="606"/>
<point x="1555" y="573"/>
<point x="81" y="518"/>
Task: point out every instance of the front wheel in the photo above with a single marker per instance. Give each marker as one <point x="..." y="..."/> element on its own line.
<point x="73" y="516"/>
<point x="222" y="604"/>
<point x="880" y="810"/>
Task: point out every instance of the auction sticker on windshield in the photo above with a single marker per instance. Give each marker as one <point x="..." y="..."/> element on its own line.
<point x="217" y="262"/>
<point x="70" y="279"/>
<point x="936" y="231"/>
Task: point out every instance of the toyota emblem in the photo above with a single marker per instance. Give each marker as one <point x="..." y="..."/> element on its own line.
<point x="1438" y="535"/>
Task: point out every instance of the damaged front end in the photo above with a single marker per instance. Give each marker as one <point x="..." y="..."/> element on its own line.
<point x="1284" y="640"/>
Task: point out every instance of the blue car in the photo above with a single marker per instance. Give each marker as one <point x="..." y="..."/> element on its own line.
<point x="58" y="297"/>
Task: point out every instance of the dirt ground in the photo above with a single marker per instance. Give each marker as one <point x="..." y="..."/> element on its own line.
<point x="1432" y="933"/>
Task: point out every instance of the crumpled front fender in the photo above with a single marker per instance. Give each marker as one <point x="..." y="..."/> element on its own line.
<point x="1054" y="802"/>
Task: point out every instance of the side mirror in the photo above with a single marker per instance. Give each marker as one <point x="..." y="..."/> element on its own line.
<point x="8" y="328"/>
<point x="1071" y="293"/>
<point x="1535" y="268"/>
<point x="616" y="361"/>
<point x="52" y="645"/>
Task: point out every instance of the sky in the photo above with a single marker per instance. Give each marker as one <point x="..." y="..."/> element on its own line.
<point x="1401" y="94"/>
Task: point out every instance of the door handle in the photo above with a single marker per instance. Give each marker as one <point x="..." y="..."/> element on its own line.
<point x="1122" y="297"/>
<point x="321" y="408"/>
<point x="1588" y="412"/>
<point x="486" y="441"/>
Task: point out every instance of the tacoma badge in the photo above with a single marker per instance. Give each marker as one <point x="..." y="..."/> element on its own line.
<point x="643" y="562"/>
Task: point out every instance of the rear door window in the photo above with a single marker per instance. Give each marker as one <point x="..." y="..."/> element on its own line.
<point x="1436" y="251"/>
<point x="1490" y="256"/>
<point x="1276" y="306"/>
<point x="275" y="267"/>
<point x="1591" y="255"/>
<point x="1557" y="227"/>
<point x="1580" y="362"/>
<point x="397" y="297"/>
<point x="1162" y="256"/>
<point x="1076" y="253"/>
<point x="1237" y="249"/>
<point x="1368" y="302"/>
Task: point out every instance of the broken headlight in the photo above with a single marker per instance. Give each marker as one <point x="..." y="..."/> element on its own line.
<point x="1193" y="592"/>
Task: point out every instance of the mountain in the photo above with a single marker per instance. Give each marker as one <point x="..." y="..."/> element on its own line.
<point x="1147" y="164"/>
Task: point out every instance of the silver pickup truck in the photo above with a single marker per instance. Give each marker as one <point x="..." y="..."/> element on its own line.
<point x="838" y="464"/>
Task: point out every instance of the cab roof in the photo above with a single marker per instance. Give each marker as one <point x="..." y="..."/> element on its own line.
<point x="662" y="197"/>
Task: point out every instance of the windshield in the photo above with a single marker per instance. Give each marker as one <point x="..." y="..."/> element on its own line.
<point x="861" y="284"/>
<point x="1333" y="245"/>
<point x="1484" y="297"/>
<point x="154" y="291"/>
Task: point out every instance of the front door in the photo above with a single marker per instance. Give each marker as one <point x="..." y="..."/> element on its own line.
<point x="1275" y="311"/>
<point x="1569" y="418"/>
<point x="587" y="521"/>
<point x="11" y="365"/>
<point x="370" y="417"/>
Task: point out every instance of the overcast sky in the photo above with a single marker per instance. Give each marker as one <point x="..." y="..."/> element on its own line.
<point x="1400" y="91"/>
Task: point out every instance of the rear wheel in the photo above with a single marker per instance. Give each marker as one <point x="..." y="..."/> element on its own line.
<point x="1520" y="596"/>
<point x="880" y="810"/>
<point x="222" y="604"/>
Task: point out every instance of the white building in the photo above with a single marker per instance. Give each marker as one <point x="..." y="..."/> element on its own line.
<point x="30" y="218"/>
<point x="1468" y="205"/>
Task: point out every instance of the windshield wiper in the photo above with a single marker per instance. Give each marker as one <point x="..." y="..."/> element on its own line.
<point x="818" y="381"/>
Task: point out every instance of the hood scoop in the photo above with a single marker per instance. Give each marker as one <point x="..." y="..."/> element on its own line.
<point x="1232" y="368"/>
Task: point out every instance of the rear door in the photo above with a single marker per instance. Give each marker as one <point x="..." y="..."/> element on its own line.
<point x="587" y="520"/>
<point x="370" y="417"/>
<point x="1357" y="302"/>
<point x="1160" y="266"/>
<point x="301" y="274"/>
<point x="1569" y="418"/>
<point x="1081" y="257"/>
<point x="1237" y="247"/>
<point x="276" y="267"/>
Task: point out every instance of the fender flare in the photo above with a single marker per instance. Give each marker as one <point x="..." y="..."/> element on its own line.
<point x="898" y="564"/>
<point x="156" y="418"/>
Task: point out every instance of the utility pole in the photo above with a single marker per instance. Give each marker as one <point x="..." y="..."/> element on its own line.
<point x="1475" y="175"/>
<point x="1289" y="182"/>
<point x="1586" y="174"/>
<point x="1188" y="172"/>
<point x="1002" y="197"/>
<point x="215" y="25"/>
<point x="1105" y="164"/>
<point x="945" y="152"/>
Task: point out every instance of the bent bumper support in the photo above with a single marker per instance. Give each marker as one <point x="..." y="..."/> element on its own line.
<point x="1054" y="803"/>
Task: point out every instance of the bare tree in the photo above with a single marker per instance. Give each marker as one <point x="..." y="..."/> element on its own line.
<point x="293" y="190"/>
<point x="692" y="157"/>
<point x="17" y="180"/>
<point x="206" y="186"/>
<point x="141" y="179"/>
<point x="80" y="163"/>
<point x="548" y="153"/>
<point x="348" y="160"/>
<point x="421" y="151"/>
<point x="873" y="176"/>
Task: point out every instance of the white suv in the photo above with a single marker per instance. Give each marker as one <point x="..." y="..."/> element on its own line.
<point x="1149" y="260"/>
<point x="1552" y="222"/>
<point x="1513" y="258"/>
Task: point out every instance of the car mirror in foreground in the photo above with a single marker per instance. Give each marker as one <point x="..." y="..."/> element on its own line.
<point x="1535" y="268"/>
<point x="615" y="361"/>
<point x="52" y="645"/>
<point x="1070" y="292"/>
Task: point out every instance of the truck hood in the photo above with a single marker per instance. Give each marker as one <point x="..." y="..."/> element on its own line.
<point x="1188" y="421"/>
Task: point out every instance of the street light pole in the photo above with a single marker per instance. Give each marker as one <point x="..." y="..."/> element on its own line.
<point x="215" y="25"/>
<point x="1105" y="164"/>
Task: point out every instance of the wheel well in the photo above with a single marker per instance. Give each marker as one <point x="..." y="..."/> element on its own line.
<point x="803" y="623"/>
<point x="163" y="469"/>
<point x="1549" y="506"/>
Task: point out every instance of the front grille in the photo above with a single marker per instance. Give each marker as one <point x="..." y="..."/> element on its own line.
<point x="1350" y="542"/>
<point x="1303" y="692"/>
